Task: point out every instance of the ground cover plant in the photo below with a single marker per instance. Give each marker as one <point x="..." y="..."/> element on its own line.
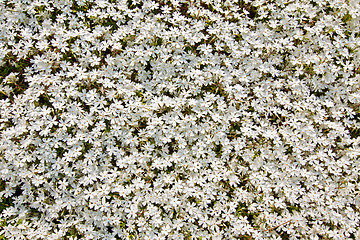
<point x="179" y="119"/>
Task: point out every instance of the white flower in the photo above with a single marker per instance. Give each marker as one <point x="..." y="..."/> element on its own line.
<point x="180" y="119"/>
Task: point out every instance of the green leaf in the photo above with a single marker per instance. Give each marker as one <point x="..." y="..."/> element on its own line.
<point x="346" y="18"/>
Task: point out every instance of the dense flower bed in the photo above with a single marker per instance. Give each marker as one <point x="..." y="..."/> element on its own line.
<point x="180" y="119"/>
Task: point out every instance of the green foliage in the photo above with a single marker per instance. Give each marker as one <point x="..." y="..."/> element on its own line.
<point x="346" y="18"/>
<point x="293" y="208"/>
<point x="157" y="42"/>
<point x="215" y="88"/>
<point x="13" y="65"/>
<point x="109" y="22"/>
<point x="243" y="210"/>
<point x="218" y="150"/>
<point x="17" y="67"/>
<point x="5" y="202"/>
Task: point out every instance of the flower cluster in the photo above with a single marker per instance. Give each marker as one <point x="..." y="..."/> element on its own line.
<point x="180" y="119"/>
